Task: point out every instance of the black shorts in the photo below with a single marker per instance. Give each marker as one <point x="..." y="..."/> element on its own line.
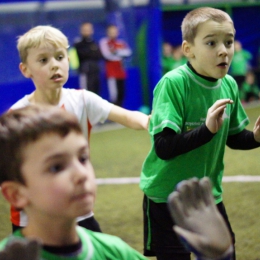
<point x="159" y="238"/>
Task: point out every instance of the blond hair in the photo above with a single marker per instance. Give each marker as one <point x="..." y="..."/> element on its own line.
<point x="197" y="16"/>
<point x="42" y="34"/>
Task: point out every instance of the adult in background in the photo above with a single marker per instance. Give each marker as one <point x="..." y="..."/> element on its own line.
<point x="89" y="56"/>
<point x="114" y="51"/>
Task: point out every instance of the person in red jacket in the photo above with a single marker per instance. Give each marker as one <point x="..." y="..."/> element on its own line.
<point x="114" y="50"/>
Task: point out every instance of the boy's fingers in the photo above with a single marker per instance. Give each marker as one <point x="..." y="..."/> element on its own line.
<point x="218" y="110"/>
<point x="176" y="207"/>
<point x="206" y="191"/>
<point x="192" y="238"/>
<point x="221" y="102"/>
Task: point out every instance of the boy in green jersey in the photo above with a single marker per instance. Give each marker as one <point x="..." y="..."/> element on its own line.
<point x="196" y="113"/>
<point x="45" y="170"/>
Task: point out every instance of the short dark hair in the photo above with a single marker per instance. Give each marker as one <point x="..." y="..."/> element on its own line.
<point x="22" y="126"/>
<point x="200" y="15"/>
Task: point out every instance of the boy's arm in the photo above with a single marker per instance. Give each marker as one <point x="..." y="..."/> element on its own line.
<point x="198" y="222"/>
<point x="132" y="119"/>
<point x="169" y="144"/>
<point x="246" y="140"/>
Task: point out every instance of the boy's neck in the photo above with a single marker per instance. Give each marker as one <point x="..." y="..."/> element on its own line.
<point x="47" y="98"/>
<point x="204" y="77"/>
<point x="56" y="234"/>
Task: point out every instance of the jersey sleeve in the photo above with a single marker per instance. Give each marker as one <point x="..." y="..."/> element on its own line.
<point x="107" y="246"/>
<point x="97" y="108"/>
<point x="168" y="106"/>
<point x="23" y="102"/>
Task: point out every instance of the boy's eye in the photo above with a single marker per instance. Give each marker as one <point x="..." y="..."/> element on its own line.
<point x="60" y="57"/>
<point x="83" y="159"/>
<point x="229" y="43"/>
<point x="211" y="43"/>
<point x="43" y="60"/>
<point x="56" y="168"/>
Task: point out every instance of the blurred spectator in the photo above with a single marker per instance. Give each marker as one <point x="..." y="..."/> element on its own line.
<point x="167" y="57"/>
<point x="240" y="63"/>
<point x="249" y="90"/>
<point x="89" y="56"/>
<point x="257" y="68"/>
<point x="178" y="57"/>
<point x="114" y="51"/>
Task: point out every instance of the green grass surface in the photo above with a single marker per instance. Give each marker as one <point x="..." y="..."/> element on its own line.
<point x="120" y="153"/>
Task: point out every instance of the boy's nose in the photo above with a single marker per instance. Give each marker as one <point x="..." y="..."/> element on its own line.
<point x="79" y="172"/>
<point x="223" y="50"/>
<point x="54" y="64"/>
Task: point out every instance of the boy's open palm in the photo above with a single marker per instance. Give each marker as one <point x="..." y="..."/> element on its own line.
<point x="22" y="249"/>
<point x="197" y="219"/>
<point x="214" y="118"/>
<point x="256" y="130"/>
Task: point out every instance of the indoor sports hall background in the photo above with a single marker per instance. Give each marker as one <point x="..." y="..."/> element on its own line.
<point x="118" y="155"/>
<point x="145" y="24"/>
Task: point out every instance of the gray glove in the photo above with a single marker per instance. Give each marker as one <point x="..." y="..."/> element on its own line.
<point x="197" y="219"/>
<point x="22" y="249"/>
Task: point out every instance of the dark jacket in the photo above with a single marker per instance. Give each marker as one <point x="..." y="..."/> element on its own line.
<point x="89" y="55"/>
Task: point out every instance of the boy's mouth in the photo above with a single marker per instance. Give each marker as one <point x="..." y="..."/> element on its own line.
<point x="223" y="64"/>
<point x="56" y="76"/>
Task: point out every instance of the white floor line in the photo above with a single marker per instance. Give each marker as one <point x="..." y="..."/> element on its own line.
<point x="135" y="180"/>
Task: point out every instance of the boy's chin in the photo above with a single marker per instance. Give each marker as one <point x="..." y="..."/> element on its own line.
<point x="84" y="211"/>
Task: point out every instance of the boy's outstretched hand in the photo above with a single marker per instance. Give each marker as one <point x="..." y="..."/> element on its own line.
<point x="256" y="130"/>
<point x="22" y="249"/>
<point x="198" y="222"/>
<point x="214" y="118"/>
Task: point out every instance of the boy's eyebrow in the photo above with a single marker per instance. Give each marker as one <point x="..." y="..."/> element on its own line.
<point x="212" y="35"/>
<point x="64" y="154"/>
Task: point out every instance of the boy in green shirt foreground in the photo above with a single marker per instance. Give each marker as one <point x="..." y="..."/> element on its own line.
<point x="45" y="170"/>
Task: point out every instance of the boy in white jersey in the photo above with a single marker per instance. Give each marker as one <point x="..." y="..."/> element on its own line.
<point x="196" y="112"/>
<point x="45" y="170"/>
<point x="44" y="59"/>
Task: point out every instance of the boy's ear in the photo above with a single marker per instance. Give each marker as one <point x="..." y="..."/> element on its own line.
<point x="187" y="49"/>
<point x="14" y="193"/>
<point x="24" y="70"/>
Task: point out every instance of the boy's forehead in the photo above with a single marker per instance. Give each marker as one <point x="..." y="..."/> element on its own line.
<point x="48" y="144"/>
<point x="46" y="48"/>
<point x="213" y="28"/>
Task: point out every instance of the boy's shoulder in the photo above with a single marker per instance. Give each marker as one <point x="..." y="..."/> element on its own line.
<point x="176" y="75"/>
<point x="23" y="102"/>
<point x="109" y="245"/>
<point x="99" y="238"/>
<point x="229" y="80"/>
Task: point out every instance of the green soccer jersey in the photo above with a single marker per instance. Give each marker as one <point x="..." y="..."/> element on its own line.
<point x="95" y="246"/>
<point x="181" y="101"/>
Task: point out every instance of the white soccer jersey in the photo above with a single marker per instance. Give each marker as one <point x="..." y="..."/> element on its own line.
<point x="89" y="108"/>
